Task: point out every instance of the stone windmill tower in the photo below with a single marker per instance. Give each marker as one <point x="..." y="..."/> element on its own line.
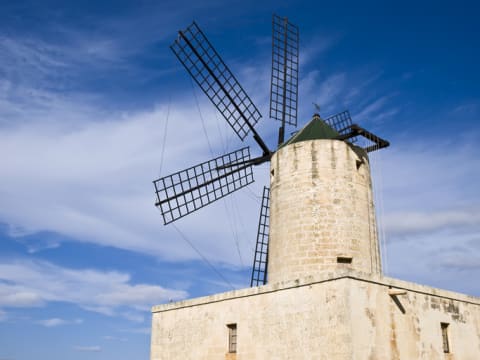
<point x="317" y="254"/>
<point x="321" y="213"/>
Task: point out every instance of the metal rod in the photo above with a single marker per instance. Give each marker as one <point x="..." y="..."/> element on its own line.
<point x="201" y="185"/>
<point x="256" y="161"/>
<point x="357" y="130"/>
<point x="257" y="137"/>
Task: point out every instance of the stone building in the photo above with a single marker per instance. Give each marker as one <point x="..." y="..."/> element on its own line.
<point x="326" y="297"/>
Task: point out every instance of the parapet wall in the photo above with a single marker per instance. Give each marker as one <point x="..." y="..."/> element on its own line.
<point x="342" y="316"/>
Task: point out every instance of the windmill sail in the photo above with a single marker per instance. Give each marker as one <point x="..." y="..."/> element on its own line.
<point x="260" y="261"/>
<point x="284" y="82"/>
<point x="372" y="141"/>
<point x="216" y="80"/>
<point x="186" y="191"/>
<point x="342" y="123"/>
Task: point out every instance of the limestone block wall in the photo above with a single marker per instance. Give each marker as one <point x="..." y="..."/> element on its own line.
<point x="307" y="322"/>
<point x="349" y="316"/>
<point x="408" y="326"/>
<point x="321" y="209"/>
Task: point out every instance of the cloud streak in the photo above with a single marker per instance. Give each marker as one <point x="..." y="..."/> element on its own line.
<point x="420" y="222"/>
<point x="94" y="348"/>
<point x="54" y="322"/>
<point x="36" y="283"/>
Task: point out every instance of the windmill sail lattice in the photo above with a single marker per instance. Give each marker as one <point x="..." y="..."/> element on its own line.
<point x="284" y="82"/>
<point x="260" y="262"/>
<point x="186" y="191"/>
<point x="216" y="80"/>
<point x="342" y="123"/>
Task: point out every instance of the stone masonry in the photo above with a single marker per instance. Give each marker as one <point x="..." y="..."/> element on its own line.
<point x="344" y="315"/>
<point x="321" y="210"/>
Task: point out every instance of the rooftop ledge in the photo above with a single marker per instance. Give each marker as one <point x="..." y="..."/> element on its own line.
<point x="318" y="279"/>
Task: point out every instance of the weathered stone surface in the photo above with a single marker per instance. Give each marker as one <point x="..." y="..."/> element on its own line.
<point x="347" y="315"/>
<point x="321" y="208"/>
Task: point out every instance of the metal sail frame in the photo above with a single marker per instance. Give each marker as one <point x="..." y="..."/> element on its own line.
<point x="210" y="72"/>
<point x="260" y="260"/>
<point x="376" y="142"/>
<point x="341" y="122"/>
<point x="284" y="75"/>
<point x="186" y="191"/>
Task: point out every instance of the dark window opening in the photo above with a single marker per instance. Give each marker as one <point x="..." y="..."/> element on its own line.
<point x="232" y="338"/>
<point x="446" y="345"/>
<point x="344" y="259"/>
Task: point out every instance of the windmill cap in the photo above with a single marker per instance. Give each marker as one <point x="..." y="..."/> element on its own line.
<point x="316" y="129"/>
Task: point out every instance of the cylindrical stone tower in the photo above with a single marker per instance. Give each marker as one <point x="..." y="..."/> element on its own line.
<point x="322" y="216"/>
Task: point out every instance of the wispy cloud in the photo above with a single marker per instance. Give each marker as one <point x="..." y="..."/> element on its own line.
<point x="115" y="338"/>
<point x="376" y="110"/>
<point x="94" y="179"/>
<point x="415" y="222"/>
<point x="35" y="283"/>
<point x="93" y="169"/>
<point x="53" y="322"/>
<point x="461" y="262"/>
<point x="324" y="92"/>
<point x="312" y="48"/>
<point x="144" y="331"/>
<point x="81" y="149"/>
<point x="467" y="108"/>
<point x="94" y="348"/>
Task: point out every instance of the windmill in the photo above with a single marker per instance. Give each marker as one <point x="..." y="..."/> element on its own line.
<point x="186" y="191"/>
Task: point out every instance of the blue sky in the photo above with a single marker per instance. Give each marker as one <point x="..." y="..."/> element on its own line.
<point x="86" y="89"/>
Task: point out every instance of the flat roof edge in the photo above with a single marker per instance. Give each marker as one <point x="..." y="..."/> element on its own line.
<point x="318" y="279"/>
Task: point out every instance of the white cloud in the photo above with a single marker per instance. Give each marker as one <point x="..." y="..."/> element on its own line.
<point x="461" y="262"/>
<point x="53" y="322"/>
<point x="18" y="296"/>
<point x="329" y="90"/>
<point x="86" y="175"/>
<point x="93" y="180"/>
<point x="375" y="110"/>
<point x="144" y="331"/>
<point x="313" y="48"/>
<point x="404" y="223"/>
<point x="34" y="283"/>
<point x="114" y="338"/>
<point x="94" y="348"/>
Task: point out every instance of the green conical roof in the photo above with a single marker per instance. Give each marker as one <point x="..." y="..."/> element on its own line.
<point x="315" y="129"/>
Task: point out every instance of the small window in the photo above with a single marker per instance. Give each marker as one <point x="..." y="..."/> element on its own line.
<point x="232" y="338"/>
<point x="344" y="259"/>
<point x="446" y="345"/>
